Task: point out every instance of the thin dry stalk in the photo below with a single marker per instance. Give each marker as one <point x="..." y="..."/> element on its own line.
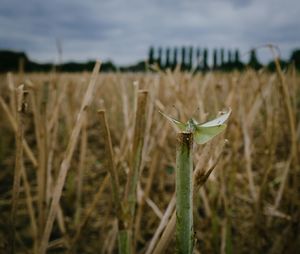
<point x="167" y="235"/>
<point x="108" y="150"/>
<point x="205" y="201"/>
<point x="288" y="107"/>
<point x="29" y="202"/>
<point x="65" y="165"/>
<point x="49" y="178"/>
<point x="55" y="111"/>
<point x="81" y="167"/>
<point x="137" y="151"/>
<point x="149" y="120"/>
<point x="283" y="183"/>
<point x="292" y="124"/>
<point x="42" y="161"/>
<point x="126" y="224"/>
<point x="110" y="240"/>
<point x="60" y="220"/>
<point x="21" y="109"/>
<point x="12" y="94"/>
<point x="223" y="237"/>
<point x="200" y="176"/>
<point x="14" y="124"/>
<point x="163" y="223"/>
<point x="248" y="158"/>
<point x="125" y="143"/>
<point x="125" y="106"/>
<point x="273" y="139"/>
<point x="153" y="206"/>
<point x="146" y="194"/>
<point x="52" y="132"/>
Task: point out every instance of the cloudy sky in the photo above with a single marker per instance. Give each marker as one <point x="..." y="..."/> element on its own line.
<point x="123" y="30"/>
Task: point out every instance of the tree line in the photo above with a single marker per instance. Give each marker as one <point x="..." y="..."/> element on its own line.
<point x="198" y="59"/>
<point x="186" y="58"/>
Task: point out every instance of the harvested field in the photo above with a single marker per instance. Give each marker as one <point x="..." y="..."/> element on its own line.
<point x="57" y="165"/>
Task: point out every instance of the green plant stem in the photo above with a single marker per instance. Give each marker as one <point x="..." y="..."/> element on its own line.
<point x="184" y="193"/>
<point x="124" y="242"/>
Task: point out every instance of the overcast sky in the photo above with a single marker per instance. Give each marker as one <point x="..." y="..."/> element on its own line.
<point x="123" y="30"/>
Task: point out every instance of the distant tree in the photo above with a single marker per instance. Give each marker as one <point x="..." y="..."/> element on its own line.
<point x="253" y="61"/>
<point x="108" y="67"/>
<point x="229" y="64"/>
<point x="222" y="57"/>
<point x="175" y="61"/>
<point x="183" y="55"/>
<point x="198" y="58"/>
<point x="138" y="67"/>
<point x="10" y="60"/>
<point x="168" y="62"/>
<point x="190" y="64"/>
<point x="238" y="65"/>
<point x="151" y="58"/>
<point x="14" y="61"/>
<point x="205" y="60"/>
<point x="236" y="56"/>
<point x="21" y="65"/>
<point x="229" y="60"/>
<point x="159" y="58"/>
<point x="215" y="59"/>
<point x="295" y="58"/>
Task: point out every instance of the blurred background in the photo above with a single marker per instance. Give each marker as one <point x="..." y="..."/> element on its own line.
<point x="123" y="32"/>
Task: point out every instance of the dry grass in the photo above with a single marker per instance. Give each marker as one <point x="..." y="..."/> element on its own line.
<point x="249" y="203"/>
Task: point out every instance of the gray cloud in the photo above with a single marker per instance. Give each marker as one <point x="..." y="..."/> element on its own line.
<point x="124" y="30"/>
